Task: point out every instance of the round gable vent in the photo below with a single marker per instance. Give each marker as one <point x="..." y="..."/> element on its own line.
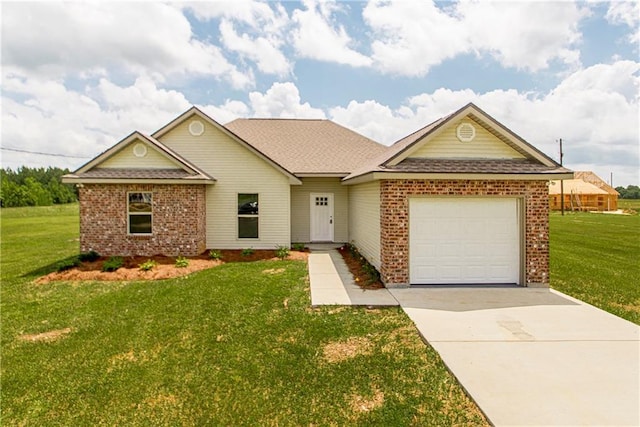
<point x="465" y="132"/>
<point x="139" y="150"/>
<point x="196" y="128"/>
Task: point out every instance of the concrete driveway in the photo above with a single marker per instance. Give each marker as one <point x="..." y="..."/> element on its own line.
<point x="532" y="356"/>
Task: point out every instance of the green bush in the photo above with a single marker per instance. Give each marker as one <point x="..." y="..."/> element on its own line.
<point x="182" y="262"/>
<point x="247" y="252"/>
<point x="298" y="247"/>
<point x="217" y="255"/>
<point x="89" y="256"/>
<point x="67" y="264"/>
<point x="282" y="252"/>
<point x="113" y="263"/>
<point x="148" y="265"/>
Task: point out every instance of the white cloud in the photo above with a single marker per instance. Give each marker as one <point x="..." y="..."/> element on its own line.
<point x="256" y="14"/>
<point x="255" y="30"/>
<point x="264" y="51"/>
<point x="318" y="37"/>
<point x="626" y="13"/>
<point x="282" y="100"/>
<point x="524" y="35"/>
<point x="58" y="39"/>
<point x="412" y="37"/>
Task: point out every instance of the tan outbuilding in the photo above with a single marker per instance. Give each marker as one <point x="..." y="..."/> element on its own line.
<point x="586" y="192"/>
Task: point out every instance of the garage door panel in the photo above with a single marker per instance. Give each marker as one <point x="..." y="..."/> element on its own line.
<point x="464" y="241"/>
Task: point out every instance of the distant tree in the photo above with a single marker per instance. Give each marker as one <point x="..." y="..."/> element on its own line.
<point x="35" y="187"/>
<point x="631" y="192"/>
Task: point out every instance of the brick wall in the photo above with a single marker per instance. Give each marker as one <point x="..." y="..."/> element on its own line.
<point x="179" y="221"/>
<point x="394" y="222"/>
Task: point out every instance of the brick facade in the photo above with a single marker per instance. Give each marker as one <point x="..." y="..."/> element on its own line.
<point x="179" y="220"/>
<point x="394" y="222"/>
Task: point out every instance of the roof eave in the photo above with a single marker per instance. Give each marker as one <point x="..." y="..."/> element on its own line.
<point x="379" y="175"/>
<point x="74" y="179"/>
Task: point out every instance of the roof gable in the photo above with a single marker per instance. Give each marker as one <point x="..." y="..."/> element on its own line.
<point x="194" y="111"/>
<point x="440" y="136"/>
<point x="448" y="144"/>
<point x="121" y="160"/>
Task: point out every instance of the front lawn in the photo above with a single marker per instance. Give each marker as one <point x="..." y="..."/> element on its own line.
<point x="596" y="258"/>
<point x="234" y="345"/>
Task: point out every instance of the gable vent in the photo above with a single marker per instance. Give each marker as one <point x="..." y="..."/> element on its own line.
<point x="465" y="132"/>
<point x="196" y="128"/>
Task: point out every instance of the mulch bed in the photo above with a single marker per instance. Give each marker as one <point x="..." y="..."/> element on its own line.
<point x="165" y="268"/>
<point x="355" y="267"/>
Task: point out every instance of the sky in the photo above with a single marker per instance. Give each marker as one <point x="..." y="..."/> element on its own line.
<point x="78" y="77"/>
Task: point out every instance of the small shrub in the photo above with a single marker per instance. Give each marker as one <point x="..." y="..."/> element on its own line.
<point x="282" y="252"/>
<point x="113" y="263"/>
<point x="182" y="262"/>
<point x="217" y="255"/>
<point x="89" y="256"/>
<point x="67" y="264"/>
<point x="247" y="252"/>
<point x="298" y="247"/>
<point x="148" y="265"/>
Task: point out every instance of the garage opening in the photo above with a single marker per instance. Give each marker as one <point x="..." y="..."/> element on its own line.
<point x="464" y="241"/>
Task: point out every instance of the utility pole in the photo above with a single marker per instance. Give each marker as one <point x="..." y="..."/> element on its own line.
<point x="561" y="182"/>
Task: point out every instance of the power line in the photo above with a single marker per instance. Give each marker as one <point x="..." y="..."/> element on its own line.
<point x="42" y="154"/>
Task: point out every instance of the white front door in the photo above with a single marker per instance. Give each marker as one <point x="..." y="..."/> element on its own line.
<point x="321" y="217"/>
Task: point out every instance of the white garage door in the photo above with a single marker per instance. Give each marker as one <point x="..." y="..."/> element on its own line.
<point x="464" y="241"/>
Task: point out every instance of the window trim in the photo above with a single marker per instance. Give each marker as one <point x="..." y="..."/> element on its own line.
<point x="129" y="213"/>
<point x="239" y="215"/>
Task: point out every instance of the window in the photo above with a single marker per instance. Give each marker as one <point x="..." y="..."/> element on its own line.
<point x="247" y="216"/>
<point x="322" y="201"/>
<point x="139" y="208"/>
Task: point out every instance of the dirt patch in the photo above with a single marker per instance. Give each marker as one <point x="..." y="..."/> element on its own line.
<point x="339" y="351"/>
<point x="366" y="404"/>
<point x="273" y="271"/>
<point x="165" y="267"/>
<point x="46" y="336"/>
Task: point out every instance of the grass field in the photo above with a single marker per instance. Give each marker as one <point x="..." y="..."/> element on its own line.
<point x="629" y="204"/>
<point x="596" y="258"/>
<point x="234" y="345"/>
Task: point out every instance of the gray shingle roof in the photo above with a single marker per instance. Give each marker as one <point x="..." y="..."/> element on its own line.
<point x="109" y="173"/>
<point x="500" y="166"/>
<point x="308" y="146"/>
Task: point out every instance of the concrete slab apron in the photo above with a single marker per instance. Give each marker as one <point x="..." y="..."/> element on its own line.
<point x="533" y="356"/>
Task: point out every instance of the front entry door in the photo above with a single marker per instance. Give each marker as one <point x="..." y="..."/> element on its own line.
<point x="321" y="217"/>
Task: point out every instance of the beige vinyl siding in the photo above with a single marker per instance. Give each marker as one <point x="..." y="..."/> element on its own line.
<point x="237" y="170"/>
<point x="484" y="146"/>
<point x="301" y="208"/>
<point x="364" y="220"/>
<point x="126" y="159"/>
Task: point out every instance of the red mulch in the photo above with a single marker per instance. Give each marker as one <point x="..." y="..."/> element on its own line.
<point x="164" y="269"/>
<point x="355" y="266"/>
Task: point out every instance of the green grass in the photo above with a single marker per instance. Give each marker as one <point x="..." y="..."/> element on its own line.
<point x="234" y="345"/>
<point x="629" y="204"/>
<point x="596" y="258"/>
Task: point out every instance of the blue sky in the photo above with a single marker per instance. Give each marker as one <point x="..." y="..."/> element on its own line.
<point x="78" y="77"/>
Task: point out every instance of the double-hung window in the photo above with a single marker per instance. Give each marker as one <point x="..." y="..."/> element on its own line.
<point x="248" y="216"/>
<point x="140" y="212"/>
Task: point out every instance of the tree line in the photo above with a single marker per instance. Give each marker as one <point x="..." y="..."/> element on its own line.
<point x="35" y="187"/>
<point x="631" y="192"/>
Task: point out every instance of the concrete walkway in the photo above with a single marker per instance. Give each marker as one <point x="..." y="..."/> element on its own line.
<point x="533" y="356"/>
<point x="332" y="283"/>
